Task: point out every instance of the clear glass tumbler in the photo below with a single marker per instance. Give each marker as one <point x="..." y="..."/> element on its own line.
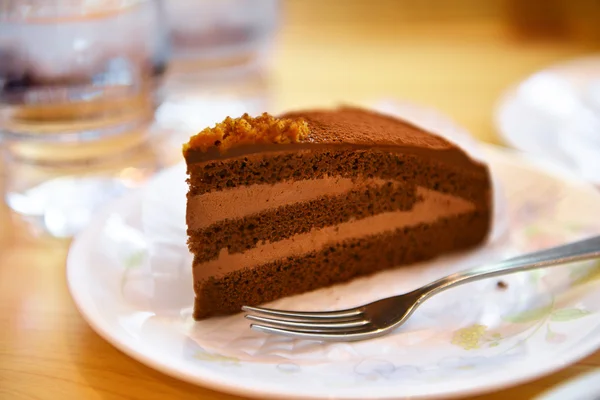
<point x="220" y="62"/>
<point x="79" y="84"/>
<point x="214" y="37"/>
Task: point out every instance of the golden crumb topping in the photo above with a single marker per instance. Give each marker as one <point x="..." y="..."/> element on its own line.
<point x="233" y="132"/>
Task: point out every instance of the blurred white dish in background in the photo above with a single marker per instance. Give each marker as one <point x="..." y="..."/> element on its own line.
<point x="555" y="113"/>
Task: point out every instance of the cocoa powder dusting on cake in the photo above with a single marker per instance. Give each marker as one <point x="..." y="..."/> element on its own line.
<point x="353" y="125"/>
<point x="233" y="132"/>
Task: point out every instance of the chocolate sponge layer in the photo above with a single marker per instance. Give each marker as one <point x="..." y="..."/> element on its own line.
<point x="338" y="263"/>
<point x="238" y="235"/>
<point x="343" y="261"/>
<point x="241" y="234"/>
<point x="272" y="168"/>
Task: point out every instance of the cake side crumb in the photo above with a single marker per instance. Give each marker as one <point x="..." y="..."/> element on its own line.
<point x="233" y="132"/>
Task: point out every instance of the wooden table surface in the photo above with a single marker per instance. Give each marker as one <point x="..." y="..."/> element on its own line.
<point x="325" y="54"/>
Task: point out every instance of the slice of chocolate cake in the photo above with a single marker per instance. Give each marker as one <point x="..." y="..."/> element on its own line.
<point x="281" y="206"/>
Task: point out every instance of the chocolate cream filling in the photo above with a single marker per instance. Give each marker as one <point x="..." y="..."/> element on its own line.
<point x="432" y="206"/>
<point x="239" y="202"/>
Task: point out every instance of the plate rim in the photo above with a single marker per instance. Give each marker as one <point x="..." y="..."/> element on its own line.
<point x="87" y="307"/>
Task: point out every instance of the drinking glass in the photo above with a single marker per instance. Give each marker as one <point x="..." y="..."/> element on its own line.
<point x="213" y="37"/>
<point x="219" y="65"/>
<point x="79" y="84"/>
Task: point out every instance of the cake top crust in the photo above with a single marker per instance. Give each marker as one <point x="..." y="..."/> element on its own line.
<point x="346" y="125"/>
<point x="363" y="127"/>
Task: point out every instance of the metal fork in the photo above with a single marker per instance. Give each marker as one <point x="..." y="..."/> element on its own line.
<point x="382" y="316"/>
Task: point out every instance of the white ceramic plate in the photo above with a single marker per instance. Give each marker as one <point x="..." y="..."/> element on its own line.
<point x="129" y="275"/>
<point x="555" y="113"/>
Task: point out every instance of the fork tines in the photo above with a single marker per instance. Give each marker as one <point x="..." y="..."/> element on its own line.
<point x="320" y="325"/>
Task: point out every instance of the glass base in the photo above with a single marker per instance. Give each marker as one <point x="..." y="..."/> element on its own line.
<point x="63" y="206"/>
<point x="58" y="196"/>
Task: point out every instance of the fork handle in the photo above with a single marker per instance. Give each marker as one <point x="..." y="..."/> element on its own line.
<point x="577" y="251"/>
